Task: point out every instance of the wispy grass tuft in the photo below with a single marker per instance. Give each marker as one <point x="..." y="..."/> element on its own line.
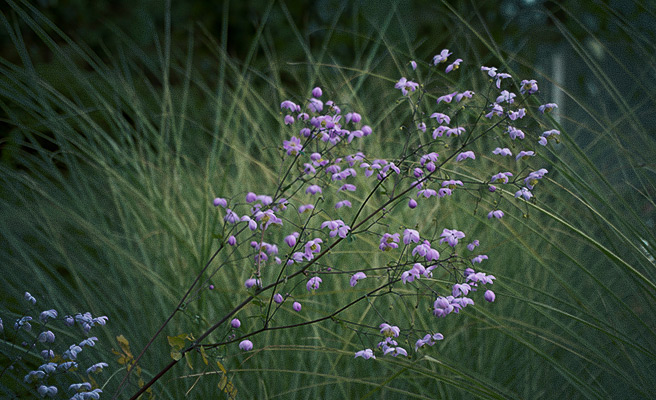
<point x="110" y="162"/>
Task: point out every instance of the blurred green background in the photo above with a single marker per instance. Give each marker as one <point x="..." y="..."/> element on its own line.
<point x="120" y="121"/>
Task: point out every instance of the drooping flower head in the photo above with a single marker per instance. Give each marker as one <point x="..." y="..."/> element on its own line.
<point x="442" y="57"/>
<point x="454" y="65"/>
<point x="356" y="277"/>
<point x="528" y="86"/>
<point x="313" y="283"/>
<point x="451" y="236"/>
<point x="405" y="85"/>
<point x="246" y="345"/>
<point x="366" y="354"/>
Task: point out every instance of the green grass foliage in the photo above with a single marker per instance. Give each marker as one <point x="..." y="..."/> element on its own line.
<point x="110" y="161"/>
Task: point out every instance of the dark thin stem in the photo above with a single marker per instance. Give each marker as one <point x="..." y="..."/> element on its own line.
<point x="161" y="328"/>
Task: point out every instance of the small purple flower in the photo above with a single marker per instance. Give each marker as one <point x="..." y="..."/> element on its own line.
<point x="47" y="354"/>
<point x="313" y="283"/>
<point x="29" y="298"/>
<point x="478" y="259"/>
<point x="498" y="214"/>
<point x="50" y="391"/>
<point x="343" y="203"/>
<point x="235" y="323"/>
<point x="451" y="236"/>
<point x="211" y="287"/>
<point x="546" y="108"/>
<point x="291" y="239"/>
<point x="424" y="250"/>
<point x="267" y="218"/>
<point x="311" y="247"/>
<point x="291" y="106"/>
<point x="440" y="58"/>
<point x="232" y="240"/>
<point x="455" y="131"/>
<point x="292" y="146"/>
<point x="24" y="323"/>
<point x="404" y="85"/>
<point x="231" y="217"/>
<point x="489" y="296"/>
<point x="441" y="118"/>
<point x="313" y="189"/>
<point x="46" y="337"/>
<point x="467" y="93"/>
<point x="278" y="298"/>
<point x="412" y="203"/>
<point x="316" y="92"/>
<point x="66" y="366"/>
<point x="289" y="120"/>
<point x="502" y="152"/>
<point x="296" y="306"/>
<point x="77" y="386"/>
<point x="353" y="117"/>
<point x="515" y="133"/>
<point x="356" y="277"/>
<point x="471" y="246"/>
<point x="413" y="64"/>
<point x="515" y="115"/>
<point x="501" y="176"/>
<point x="460" y="289"/>
<point x="410" y="275"/>
<point x="421" y="126"/>
<point x="525" y="193"/>
<point x="396" y="351"/>
<point x="491" y="71"/>
<point x="246" y="345"/>
<point x="97" y="367"/>
<point x="305" y="207"/>
<point x="447" y="98"/>
<point x="316" y="106"/>
<point x="427" y="193"/>
<point x="389" y="330"/>
<point x="532" y="179"/>
<point x="366" y="354"/>
<point x="496" y="110"/>
<point x="252" y="282"/>
<point x="465" y="155"/>
<point x="528" y="86"/>
<point x="452" y="184"/>
<point x="46" y="315"/>
<point x="347" y="186"/>
<point x="480" y="277"/>
<point x="506" y="96"/>
<point x="525" y="155"/>
<point x="337" y="227"/>
<point x="250" y="197"/>
<point x="72" y="352"/>
<point x="454" y="65"/>
<point x="410" y="235"/>
<point x="443" y="306"/>
<point x="428" y="340"/>
<point x="389" y="241"/>
<point x="551" y="133"/>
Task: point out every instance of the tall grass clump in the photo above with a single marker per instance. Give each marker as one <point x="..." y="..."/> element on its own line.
<point x="126" y="177"/>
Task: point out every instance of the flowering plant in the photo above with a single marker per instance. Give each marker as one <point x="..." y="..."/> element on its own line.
<point x="59" y="369"/>
<point x="456" y="150"/>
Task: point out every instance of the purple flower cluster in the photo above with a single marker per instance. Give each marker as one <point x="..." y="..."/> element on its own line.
<point x="57" y="360"/>
<point x="328" y="180"/>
